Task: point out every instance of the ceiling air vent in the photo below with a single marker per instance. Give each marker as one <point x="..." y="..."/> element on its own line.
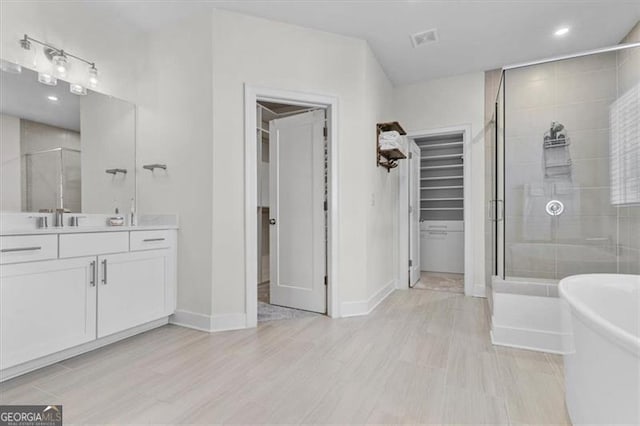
<point x="424" y="37"/>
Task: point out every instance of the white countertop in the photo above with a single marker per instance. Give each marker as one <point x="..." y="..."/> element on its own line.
<point x="84" y="229"/>
<point x="25" y="224"/>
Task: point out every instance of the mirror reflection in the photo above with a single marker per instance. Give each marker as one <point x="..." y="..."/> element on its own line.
<point x="60" y="150"/>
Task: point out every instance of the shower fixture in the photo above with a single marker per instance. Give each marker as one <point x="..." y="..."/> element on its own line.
<point x="557" y="158"/>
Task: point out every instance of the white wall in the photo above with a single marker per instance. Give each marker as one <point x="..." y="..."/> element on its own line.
<point x="175" y="124"/>
<point x="10" y="181"/>
<point x="276" y="55"/>
<point x="447" y="102"/>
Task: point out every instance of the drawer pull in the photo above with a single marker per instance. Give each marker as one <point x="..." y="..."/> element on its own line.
<point x="92" y="280"/>
<point x="150" y="240"/>
<point x="104" y="272"/>
<point x="10" y="250"/>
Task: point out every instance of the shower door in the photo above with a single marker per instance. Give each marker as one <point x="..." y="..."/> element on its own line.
<point x="567" y="169"/>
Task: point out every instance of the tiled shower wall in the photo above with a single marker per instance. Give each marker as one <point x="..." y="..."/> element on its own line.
<point x="591" y="232"/>
<point x="628" y="73"/>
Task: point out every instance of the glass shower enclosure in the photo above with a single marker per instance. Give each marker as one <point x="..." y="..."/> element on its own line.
<point x="567" y="166"/>
<point x="52" y="180"/>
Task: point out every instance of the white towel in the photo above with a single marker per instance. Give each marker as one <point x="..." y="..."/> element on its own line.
<point x="389" y="140"/>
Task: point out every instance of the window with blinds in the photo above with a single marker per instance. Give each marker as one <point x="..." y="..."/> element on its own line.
<point x="624" y="117"/>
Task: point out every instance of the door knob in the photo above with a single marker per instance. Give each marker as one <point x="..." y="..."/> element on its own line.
<point x="272" y="221"/>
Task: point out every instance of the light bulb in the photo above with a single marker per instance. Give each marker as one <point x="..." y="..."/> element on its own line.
<point x="561" y="31"/>
<point x="52" y="98"/>
<point x="77" y="89"/>
<point x="47" y="79"/>
<point x="10" y="67"/>
<point x="93" y="76"/>
<point x="60" y="64"/>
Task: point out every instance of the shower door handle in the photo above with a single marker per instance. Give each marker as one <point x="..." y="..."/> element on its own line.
<point x="500" y="210"/>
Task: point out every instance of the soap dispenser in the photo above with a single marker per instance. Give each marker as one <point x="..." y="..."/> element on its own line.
<point x="116" y="220"/>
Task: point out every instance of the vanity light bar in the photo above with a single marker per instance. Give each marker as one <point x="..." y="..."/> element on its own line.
<point x="59" y="58"/>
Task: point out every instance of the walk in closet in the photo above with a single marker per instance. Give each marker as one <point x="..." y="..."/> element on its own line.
<point x="442" y="202"/>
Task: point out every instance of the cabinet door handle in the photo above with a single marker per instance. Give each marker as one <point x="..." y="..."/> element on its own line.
<point x="149" y="240"/>
<point x="92" y="280"/>
<point x="10" y="250"/>
<point x="104" y="272"/>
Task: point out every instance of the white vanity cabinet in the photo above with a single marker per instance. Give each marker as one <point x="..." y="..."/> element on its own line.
<point x="45" y="307"/>
<point x="98" y="287"/>
<point x="132" y="289"/>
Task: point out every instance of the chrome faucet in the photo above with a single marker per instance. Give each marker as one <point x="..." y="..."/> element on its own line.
<point x="58" y="218"/>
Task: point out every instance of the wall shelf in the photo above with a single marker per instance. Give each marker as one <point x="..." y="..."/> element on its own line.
<point x="388" y="158"/>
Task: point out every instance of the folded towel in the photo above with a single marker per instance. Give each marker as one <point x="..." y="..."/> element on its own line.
<point x="390" y="135"/>
<point x="385" y="146"/>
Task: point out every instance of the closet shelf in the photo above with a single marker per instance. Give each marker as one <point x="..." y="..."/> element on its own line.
<point x="440" y="157"/>
<point x="448" y="166"/>
<point x="441" y="145"/>
<point x="441" y="199"/>
<point x="442" y="177"/>
<point x="442" y="187"/>
<point x="442" y="208"/>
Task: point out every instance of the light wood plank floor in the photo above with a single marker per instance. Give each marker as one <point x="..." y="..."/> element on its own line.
<point x="420" y="357"/>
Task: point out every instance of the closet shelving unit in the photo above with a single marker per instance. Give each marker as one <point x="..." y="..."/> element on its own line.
<point x="388" y="158"/>
<point x="441" y="177"/>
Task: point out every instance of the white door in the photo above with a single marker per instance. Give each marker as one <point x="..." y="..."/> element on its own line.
<point x="297" y="215"/>
<point x="414" y="213"/>
<point x="131" y="289"/>
<point x="46" y="307"/>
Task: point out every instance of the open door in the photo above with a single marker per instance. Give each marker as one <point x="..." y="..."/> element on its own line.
<point x="297" y="211"/>
<point x="414" y="213"/>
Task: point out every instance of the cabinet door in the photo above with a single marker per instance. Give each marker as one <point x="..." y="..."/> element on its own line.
<point x="131" y="289"/>
<point x="46" y="307"/>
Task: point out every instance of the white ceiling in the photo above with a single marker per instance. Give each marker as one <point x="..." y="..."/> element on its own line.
<point x="475" y="35"/>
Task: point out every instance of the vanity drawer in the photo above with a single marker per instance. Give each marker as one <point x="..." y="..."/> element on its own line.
<point x="148" y="240"/>
<point x="93" y="244"/>
<point x="27" y="248"/>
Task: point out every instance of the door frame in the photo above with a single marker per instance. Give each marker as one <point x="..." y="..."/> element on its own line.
<point x="253" y="94"/>
<point x="404" y="207"/>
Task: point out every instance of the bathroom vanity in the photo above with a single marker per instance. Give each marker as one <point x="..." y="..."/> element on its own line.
<point x="65" y="291"/>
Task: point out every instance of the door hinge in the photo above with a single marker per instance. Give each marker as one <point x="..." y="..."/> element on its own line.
<point x="325" y="132"/>
<point x="410" y="263"/>
<point x="410" y="155"/>
<point x="326" y="280"/>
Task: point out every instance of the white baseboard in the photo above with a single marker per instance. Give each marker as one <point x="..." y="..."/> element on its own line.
<point x="365" y="307"/>
<point x="530" y="339"/>
<point x="26" y="367"/>
<point x="479" y="291"/>
<point x="192" y="320"/>
<point x="209" y="323"/>
<point x="224" y="322"/>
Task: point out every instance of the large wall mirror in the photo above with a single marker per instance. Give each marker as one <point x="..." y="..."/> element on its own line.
<point x="61" y="150"/>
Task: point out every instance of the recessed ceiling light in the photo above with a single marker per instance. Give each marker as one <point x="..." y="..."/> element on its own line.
<point x="561" y="31"/>
<point x="52" y="98"/>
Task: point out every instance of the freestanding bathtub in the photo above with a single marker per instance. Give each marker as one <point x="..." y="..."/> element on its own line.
<point x="602" y="376"/>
